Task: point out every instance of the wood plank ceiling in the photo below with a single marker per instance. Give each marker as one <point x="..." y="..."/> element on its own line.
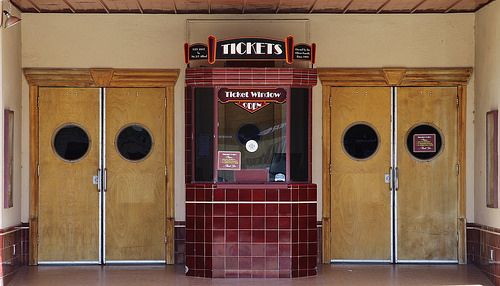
<point x="249" y="6"/>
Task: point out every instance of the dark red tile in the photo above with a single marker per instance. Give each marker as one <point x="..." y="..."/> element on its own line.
<point x="259" y="195"/>
<point x="311" y="195"/>
<point x="232" y="222"/>
<point x="258" y="222"/>
<point x="258" y="210"/>
<point x="285" y="222"/>
<point x="245" y="263"/>
<point x="218" y="250"/>
<point x="219" y="210"/>
<point x="258" y="249"/>
<point x="271" y="249"/>
<point x="285" y="263"/>
<point x="272" y="222"/>
<point x="303" y="210"/>
<point x="245" y="236"/>
<point x="312" y="235"/>
<point x="312" y="209"/>
<point x="303" y="262"/>
<point x="271" y="236"/>
<point x="231" y="249"/>
<point x="219" y="273"/>
<point x="189" y="248"/>
<point x="220" y="195"/>
<point x="285" y="274"/>
<point x="284" y="236"/>
<point x="218" y="236"/>
<point x="189" y="235"/>
<point x="190" y="222"/>
<point x="272" y="195"/>
<point x="245" y="210"/>
<point x="245" y="195"/>
<point x="311" y="262"/>
<point x="232" y="195"/>
<point x="285" y="210"/>
<point x="302" y="249"/>
<point x="218" y="263"/>
<point x="245" y="249"/>
<point x="231" y="209"/>
<point x="189" y="194"/>
<point x="258" y="263"/>
<point x="271" y="209"/>
<point x="312" y="248"/>
<point x="190" y="210"/>
<point x="245" y="273"/>
<point x="199" y="223"/>
<point x="219" y="223"/>
<point x="258" y="274"/>
<point x="258" y="235"/>
<point x="272" y="274"/>
<point x="245" y="222"/>
<point x="232" y="263"/>
<point x="271" y="263"/>
<point x="285" y="195"/>
<point x="231" y="236"/>
<point x="284" y="249"/>
<point x="303" y="222"/>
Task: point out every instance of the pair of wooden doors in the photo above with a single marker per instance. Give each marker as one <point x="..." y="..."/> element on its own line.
<point x="394" y="176"/>
<point x="101" y="175"/>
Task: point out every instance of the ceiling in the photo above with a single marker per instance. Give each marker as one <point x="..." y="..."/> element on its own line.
<point x="249" y="6"/>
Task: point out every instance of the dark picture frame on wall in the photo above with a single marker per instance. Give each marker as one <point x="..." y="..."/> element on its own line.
<point x="492" y="159"/>
<point x="8" y="153"/>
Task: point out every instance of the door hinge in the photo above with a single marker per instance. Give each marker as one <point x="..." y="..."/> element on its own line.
<point x="165" y="102"/>
<point x="38" y="102"/>
<point x="165" y="171"/>
<point x="38" y="170"/>
<point x="330" y="169"/>
<point x="458" y="101"/>
<point x="330" y="101"/>
<point x="458" y="169"/>
<point x="165" y="239"/>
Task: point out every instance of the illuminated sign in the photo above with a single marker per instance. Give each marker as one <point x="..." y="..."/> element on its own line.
<point x="252" y="99"/>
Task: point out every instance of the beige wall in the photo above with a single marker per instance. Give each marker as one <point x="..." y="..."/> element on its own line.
<point x="11" y="99"/>
<point x="487" y="98"/>
<point x="155" y="41"/>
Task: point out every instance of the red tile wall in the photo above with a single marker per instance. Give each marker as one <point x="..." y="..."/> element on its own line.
<point x="251" y="232"/>
<point x="481" y="240"/>
<point x="14" y="252"/>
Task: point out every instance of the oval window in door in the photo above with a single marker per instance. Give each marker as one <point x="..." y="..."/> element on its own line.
<point x="360" y="141"/>
<point x="134" y="142"/>
<point x="70" y="142"/>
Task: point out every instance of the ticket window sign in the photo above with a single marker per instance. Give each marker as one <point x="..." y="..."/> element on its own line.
<point x="424" y="143"/>
<point x="227" y="160"/>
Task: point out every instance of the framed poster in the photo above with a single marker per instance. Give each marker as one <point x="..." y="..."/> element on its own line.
<point x="8" y="155"/>
<point x="492" y="159"/>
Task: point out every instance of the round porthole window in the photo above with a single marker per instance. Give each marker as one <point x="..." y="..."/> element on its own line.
<point x="360" y="141"/>
<point x="71" y="142"/>
<point x="424" y="142"/>
<point x="134" y="142"/>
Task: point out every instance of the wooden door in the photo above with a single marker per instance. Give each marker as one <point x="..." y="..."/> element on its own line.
<point x="428" y="177"/>
<point x="361" y="198"/>
<point x="68" y="199"/>
<point x="135" y="187"/>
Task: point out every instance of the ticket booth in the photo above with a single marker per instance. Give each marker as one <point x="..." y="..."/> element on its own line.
<point x="250" y="203"/>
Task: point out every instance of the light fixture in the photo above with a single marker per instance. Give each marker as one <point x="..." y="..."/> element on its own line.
<point x="11" y="19"/>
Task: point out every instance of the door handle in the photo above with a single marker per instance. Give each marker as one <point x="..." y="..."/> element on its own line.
<point x="388" y="178"/>
<point x="396" y="178"/>
<point x="96" y="180"/>
<point x="105" y="180"/>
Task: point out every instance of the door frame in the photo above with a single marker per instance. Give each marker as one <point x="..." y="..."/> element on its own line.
<point x="99" y="78"/>
<point x="393" y="77"/>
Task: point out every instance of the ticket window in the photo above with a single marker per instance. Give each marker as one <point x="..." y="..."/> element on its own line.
<point x="251" y="142"/>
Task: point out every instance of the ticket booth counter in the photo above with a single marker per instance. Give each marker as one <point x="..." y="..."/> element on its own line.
<point x="250" y="203"/>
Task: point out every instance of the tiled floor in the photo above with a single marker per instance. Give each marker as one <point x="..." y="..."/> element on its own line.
<point x="330" y="275"/>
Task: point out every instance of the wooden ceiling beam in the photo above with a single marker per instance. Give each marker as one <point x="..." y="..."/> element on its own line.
<point x="73" y="10"/>
<point x="278" y="7"/>
<point x="418" y="5"/>
<point x="35" y="6"/>
<point x="452" y="6"/>
<point x="104" y="6"/>
<point x="311" y="9"/>
<point x="382" y="7"/>
<point x="346" y="8"/>
<point x="175" y="6"/>
<point x="140" y="6"/>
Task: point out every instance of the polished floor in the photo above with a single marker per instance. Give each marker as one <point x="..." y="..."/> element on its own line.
<point x="330" y="275"/>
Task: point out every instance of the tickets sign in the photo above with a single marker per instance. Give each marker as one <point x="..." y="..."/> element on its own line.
<point x="228" y="160"/>
<point x="424" y="143"/>
<point x="252" y="99"/>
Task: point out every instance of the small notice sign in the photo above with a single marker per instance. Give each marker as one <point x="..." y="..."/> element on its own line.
<point x="424" y="143"/>
<point x="229" y="160"/>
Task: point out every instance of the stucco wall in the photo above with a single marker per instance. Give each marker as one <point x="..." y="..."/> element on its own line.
<point x="487" y="78"/>
<point x="11" y="99"/>
<point x="155" y="41"/>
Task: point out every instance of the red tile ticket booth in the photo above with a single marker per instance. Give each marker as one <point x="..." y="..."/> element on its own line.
<point x="250" y="231"/>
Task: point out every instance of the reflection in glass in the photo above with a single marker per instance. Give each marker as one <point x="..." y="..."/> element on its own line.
<point x="267" y="127"/>
<point x="71" y="142"/>
<point x="360" y="141"/>
<point x="134" y="142"/>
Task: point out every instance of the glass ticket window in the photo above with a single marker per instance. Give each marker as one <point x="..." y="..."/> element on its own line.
<point x="251" y="135"/>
